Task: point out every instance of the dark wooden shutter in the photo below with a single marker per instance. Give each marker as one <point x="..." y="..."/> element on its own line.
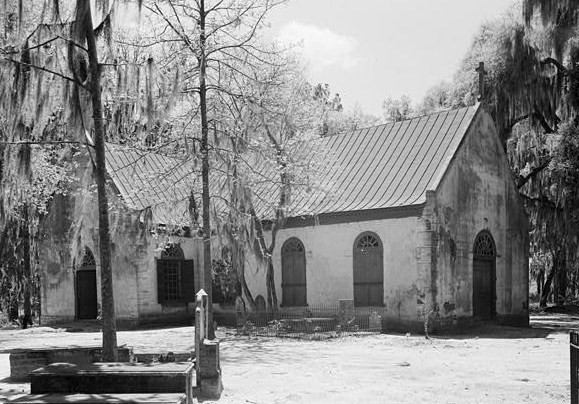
<point x="368" y="271"/>
<point x="293" y="277"/>
<point x="188" y="281"/>
<point x="160" y="281"/>
<point x="300" y="292"/>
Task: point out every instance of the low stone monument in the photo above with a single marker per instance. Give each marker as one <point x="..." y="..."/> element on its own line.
<point x="207" y="366"/>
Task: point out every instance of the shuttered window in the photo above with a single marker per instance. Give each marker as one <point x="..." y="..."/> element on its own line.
<point x="175" y="276"/>
<point x="368" y="271"/>
<point x="293" y="273"/>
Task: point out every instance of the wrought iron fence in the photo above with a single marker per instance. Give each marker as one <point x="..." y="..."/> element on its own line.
<point x="312" y="322"/>
<point x="574" y="351"/>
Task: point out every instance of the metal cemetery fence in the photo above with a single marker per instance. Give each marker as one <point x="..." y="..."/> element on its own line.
<point x="574" y="351"/>
<point x="312" y="322"/>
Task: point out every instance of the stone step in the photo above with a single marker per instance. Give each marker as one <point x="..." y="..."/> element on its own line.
<point x="151" y="398"/>
<point x="104" y="378"/>
<point x="24" y="361"/>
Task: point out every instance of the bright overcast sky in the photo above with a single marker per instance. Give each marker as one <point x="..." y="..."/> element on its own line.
<point x="368" y="50"/>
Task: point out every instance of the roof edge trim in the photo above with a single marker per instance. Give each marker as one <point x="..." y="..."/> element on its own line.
<point x="444" y="168"/>
<point x="397" y="212"/>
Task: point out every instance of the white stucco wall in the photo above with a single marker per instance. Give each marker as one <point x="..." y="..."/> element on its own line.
<point x="72" y="224"/>
<point x="329" y="262"/>
<point x="149" y="306"/>
<point x="428" y="259"/>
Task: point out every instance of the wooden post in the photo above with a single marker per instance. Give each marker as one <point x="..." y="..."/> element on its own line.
<point x="574" y="356"/>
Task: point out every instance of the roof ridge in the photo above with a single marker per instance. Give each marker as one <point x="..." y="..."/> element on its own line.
<point x="125" y="147"/>
<point x="402" y="120"/>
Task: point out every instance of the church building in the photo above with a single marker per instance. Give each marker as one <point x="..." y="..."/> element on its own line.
<point x="422" y="216"/>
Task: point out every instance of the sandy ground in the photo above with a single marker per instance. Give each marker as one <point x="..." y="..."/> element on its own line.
<point x="492" y="365"/>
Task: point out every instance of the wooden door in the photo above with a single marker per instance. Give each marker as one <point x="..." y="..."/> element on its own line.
<point x="86" y="294"/>
<point x="293" y="273"/>
<point x="368" y="271"/>
<point x="483" y="276"/>
<point x="482" y="288"/>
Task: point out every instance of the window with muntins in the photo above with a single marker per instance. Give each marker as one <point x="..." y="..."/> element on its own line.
<point x="175" y="276"/>
<point x="368" y="241"/>
<point x="484" y="245"/>
<point x="88" y="260"/>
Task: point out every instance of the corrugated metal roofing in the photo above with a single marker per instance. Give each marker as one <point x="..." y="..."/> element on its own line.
<point x="386" y="166"/>
<point x="146" y="179"/>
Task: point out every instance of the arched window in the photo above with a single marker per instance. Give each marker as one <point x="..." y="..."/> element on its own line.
<point x="484" y="276"/>
<point x="88" y="261"/>
<point x="368" y="270"/>
<point x="175" y="276"/>
<point x="293" y="273"/>
<point x="86" y="287"/>
<point x="484" y="245"/>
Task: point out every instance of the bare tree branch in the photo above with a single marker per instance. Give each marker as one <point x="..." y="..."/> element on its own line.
<point x="522" y="180"/>
<point x="560" y="68"/>
<point x="44" y="69"/>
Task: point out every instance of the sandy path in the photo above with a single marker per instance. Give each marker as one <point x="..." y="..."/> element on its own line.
<point x="525" y="366"/>
<point x="398" y="369"/>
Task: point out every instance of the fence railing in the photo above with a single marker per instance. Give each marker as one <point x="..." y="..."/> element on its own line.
<point x="312" y="322"/>
<point x="574" y="352"/>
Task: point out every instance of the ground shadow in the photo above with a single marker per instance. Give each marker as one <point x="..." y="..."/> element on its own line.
<point x="540" y="326"/>
<point x="495" y="331"/>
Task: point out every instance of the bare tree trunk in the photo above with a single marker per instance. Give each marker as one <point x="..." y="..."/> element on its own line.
<point x="267" y="253"/>
<point x="241" y="274"/>
<point x="247" y="292"/>
<point x="207" y="278"/>
<point x="110" y="352"/>
<point x="27" y="277"/>
<point x="561" y="289"/>
<point x="547" y="287"/>
<point x="271" y="292"/>
<point x="13" y="309"/>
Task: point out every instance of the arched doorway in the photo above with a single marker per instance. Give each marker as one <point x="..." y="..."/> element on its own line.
<point x="368" y="270"/>
<point x="86" y="287"/>
<point x="484" y="276"/>
<point x="293" y="273"/>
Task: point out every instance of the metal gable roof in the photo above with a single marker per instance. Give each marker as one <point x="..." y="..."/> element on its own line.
<point x="151" y="180"/>
<point x="385" y="166"/>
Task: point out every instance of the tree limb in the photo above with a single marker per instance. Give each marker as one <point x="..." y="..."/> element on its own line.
<point x="32" y="142"/>
<point x="522" y="180"/>
<point x="519" y="119"/>
<point x="539" y="116"/>
<point x="560" y="68"/>
<point x="44" y="69"/>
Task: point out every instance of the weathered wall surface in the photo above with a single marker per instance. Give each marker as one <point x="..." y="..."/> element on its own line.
<point x="72" y="224"/>
<point x="149" y="308"/>
<point x="477" y="193"/>
<point x="428" y="260"/>
<point x="329" y="263"/>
